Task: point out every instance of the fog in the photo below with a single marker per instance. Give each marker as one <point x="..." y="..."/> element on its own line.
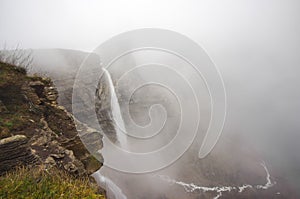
<point x="255" y="45"/>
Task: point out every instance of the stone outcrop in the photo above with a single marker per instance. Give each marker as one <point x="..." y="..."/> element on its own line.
<point x="48" y="147"/>
<point x="83" y="110"/>
<point x="36" y="130"/>
<point x="15" y="151"/>
<point x="64" y="146"/>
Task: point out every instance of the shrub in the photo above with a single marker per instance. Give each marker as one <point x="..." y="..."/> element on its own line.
<point x="21" y="59"/>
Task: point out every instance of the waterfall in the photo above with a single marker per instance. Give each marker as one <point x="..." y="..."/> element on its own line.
<point x="116" y="113"/>
<point x="112" y="190"/>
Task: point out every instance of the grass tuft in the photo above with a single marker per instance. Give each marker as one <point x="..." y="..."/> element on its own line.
<point x="40" y="183"/>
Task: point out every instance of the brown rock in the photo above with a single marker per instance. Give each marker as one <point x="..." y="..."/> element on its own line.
<point x="15" y="151"/>
<point x="70" y="167"/>
<point x="38" y="86"/>
<point x="50" y="162"/>
<point x="51" y="97"/>
<point x="57" y="156"/>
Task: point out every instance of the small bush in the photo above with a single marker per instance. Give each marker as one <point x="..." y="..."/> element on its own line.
<point x="21" y="69"/>
<point x="21" y="59"/>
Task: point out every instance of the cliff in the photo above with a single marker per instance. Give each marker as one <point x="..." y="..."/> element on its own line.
<point x="34" y="130"/>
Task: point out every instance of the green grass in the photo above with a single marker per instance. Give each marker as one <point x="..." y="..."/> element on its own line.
<point x="16" y="118"/>
<point x="39" y="183"/>
<point x="21" y="118"/>
<point x="9" y="124"/>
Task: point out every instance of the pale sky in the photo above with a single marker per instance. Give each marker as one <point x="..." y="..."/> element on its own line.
<point x="83" y="25"/>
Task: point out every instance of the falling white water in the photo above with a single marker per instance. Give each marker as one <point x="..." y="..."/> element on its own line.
<point x="116" y="113"/>
<point x="220" y="189"/>
<point x="112" y="190"/>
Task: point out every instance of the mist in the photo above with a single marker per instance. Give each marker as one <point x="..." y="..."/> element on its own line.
<point x="254" y="44"/>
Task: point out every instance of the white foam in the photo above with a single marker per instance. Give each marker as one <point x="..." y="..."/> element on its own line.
<point x="191" y="187"/>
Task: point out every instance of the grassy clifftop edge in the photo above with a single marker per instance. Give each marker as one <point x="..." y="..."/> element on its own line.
<point x="24" y="111"/>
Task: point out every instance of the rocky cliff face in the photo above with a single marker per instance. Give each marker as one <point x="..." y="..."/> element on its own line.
<point x="62" y="66"/>
<point x="15" y="151"/>
<point x="227" y="165"/>
<point x="35" y="129"/>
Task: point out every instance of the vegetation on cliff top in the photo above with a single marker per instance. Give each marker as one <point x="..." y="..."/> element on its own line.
<point x="41" y="183"/>
<point x="22" y="106"/>
<point x="17" y="114"/>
